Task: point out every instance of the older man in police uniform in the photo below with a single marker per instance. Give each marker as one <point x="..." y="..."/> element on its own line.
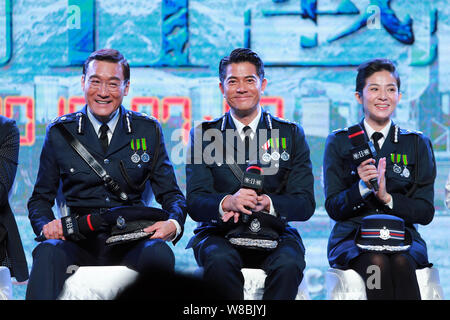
<point x="215" y="195"/>
<point x="126" y="144"/>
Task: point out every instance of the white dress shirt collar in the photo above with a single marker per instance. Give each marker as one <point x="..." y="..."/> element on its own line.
<point x="384" y="131"/>
<point x="97" y="124"/>
<point x="253" y="125"/>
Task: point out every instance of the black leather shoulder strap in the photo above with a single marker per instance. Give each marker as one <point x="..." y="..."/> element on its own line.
<point x="236" y="171"/>
<point x="229" y="160"/>
<point x="110" y="184"/>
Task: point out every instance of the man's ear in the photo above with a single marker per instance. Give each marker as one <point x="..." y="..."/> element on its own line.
<point x="263" y="85"/>
<point x="127" y="87"/>
<point x="221" y="88"/>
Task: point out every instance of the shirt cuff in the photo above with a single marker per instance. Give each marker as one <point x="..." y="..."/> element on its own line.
<point x="390" y="204"/>
<point x="177" y="225"/>
<point x="272" y="209"/>
<point x="363" y="190"/>
<point x="221" y="212"/>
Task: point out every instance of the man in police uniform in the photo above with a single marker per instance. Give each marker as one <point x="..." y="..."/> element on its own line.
<point x="215" y="196"/>
<point x="124" y="143"/>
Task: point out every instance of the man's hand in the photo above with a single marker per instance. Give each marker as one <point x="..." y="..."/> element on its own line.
<point x="231" y="214"/>
<point x="243" y="201"/>
<point x="234" y="205"/>
<point x="367" y="171"/>
<point x="164" y="230"/>
<point x="53" y="230"/>
<point x="263" y="203"/>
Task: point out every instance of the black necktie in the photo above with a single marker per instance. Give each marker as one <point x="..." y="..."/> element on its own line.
<point x="247" y="131"/>
<point x="377" y="136"/>
<point x="104" y="137"/>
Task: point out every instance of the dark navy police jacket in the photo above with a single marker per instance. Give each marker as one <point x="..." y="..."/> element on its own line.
<point x="208" y="184"/>
<point x="345" y="205"/>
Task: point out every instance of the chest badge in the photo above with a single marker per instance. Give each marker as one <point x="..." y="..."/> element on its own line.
<point x="397" y="169"/>
<point x="266" y="156"/>
<point x="399" y="159"/>
<point x="136" y="145"/>
<point x="274" y="154"/>
<point x="144" y="157"/>
<point x="285" y="155"/>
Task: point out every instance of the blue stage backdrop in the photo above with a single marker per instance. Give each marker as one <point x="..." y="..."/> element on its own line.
<point x="311" y="49"/>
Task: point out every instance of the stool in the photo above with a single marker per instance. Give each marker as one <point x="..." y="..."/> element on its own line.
<point x="5" y="284"/>
<point x="106" y="282"/>
<point x="97" y="283"/>
<point x="348" y="284"/>
<point x="254" y="284"/>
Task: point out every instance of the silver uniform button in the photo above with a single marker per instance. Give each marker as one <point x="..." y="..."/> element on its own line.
<point x="72" y="170"/>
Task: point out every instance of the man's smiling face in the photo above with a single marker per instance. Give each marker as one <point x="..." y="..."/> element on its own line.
<point x="104" y="87"/>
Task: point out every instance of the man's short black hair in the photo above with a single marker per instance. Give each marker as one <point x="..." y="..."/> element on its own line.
<point x="368" y="68"/>
<point x="109" y="55"/>
<point x="241" y="55"/>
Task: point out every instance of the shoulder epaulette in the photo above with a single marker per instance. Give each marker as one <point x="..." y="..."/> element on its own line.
<point x="65" y="118"/>
<point x="214" y="120"/>
<point x="282" y="120"/>
<point x="409" y="131"/>
<point x="207" y="123"/>
<point x="141" y="115"/>
<point x="78" y="117"/>
<point x="269" y="118"/>
<point x="340" y="130"/>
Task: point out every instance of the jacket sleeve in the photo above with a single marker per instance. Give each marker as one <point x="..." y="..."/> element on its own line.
<point x="296" y="202"/>
<point x="419" y="206"/>
<point x="46" y="187"/>
<point x="164" y="184"/>
<point x="203" y="201"/>
<point x="342" y="195"/>
<point x="9" y="154"/>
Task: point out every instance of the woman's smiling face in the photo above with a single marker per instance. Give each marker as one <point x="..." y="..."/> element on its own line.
<point x="379" y="98"/>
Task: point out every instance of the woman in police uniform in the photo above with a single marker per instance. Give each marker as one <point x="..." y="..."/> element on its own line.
<point x="405" y="170"/>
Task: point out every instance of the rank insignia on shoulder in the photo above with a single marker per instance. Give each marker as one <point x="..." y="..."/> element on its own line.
<point x="63" y="118"/>
<point x="283" y="119"/>
<point x="340" y="130"/>
<point x="146" y="116"/>
<point x="409" y="131"/>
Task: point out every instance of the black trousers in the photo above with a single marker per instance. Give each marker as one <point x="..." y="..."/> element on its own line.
<point x="222" y="264"/>
<point x="54" y="261"/>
